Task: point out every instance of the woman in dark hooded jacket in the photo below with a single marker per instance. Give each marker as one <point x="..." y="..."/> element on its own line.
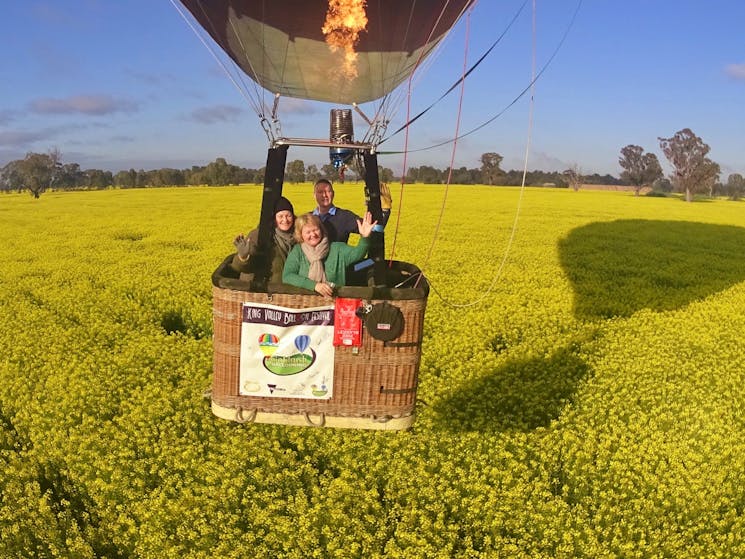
<point x="283" y="240"/>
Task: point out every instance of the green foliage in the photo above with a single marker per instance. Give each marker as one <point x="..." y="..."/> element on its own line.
<point x="657" y="194"/>
<point x="735" y="186"/>
<point x="36" y="172"/>
<point x="639" y="168"/>
<point x="490" y="170"/>
<point x="589" y="405"/>
<point x="295" y="171"/>
<point x="693" y="171"/>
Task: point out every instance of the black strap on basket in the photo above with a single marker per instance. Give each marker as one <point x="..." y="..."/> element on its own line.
<point x="384" y="390"/>
<point x="402" y="344"/>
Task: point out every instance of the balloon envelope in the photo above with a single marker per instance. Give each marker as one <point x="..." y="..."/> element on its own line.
<point x="282" y="46"/>
<point x="302" y="342"/>
<point x="268" y="339"/>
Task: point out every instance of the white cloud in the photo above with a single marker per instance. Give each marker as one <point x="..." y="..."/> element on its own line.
<point x="7" y="115"/>
<point x="18" y="138"/>
<point x="216" y="113"/>
<point x="736" y="71"/>
<point x="96" y="105"/>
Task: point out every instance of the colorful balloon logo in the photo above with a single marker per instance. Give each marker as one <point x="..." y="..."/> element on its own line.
<point x="302" y="343"/>
<point x="284" y="365"/>
<point x="316" y="391"/>
<point x="268" y="344"/>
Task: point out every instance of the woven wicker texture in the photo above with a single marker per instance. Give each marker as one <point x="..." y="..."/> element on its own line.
<point x="376" y="380"/>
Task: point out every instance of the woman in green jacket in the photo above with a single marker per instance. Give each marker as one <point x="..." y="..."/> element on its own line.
<point x="317" y="264"/>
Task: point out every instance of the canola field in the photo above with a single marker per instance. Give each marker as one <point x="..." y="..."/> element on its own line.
<point x="587" y="399"/>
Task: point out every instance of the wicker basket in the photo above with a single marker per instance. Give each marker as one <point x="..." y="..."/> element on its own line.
<point x="374" y="384"/>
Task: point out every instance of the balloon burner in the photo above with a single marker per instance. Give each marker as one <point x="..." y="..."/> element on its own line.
<point x="341" y="132"/>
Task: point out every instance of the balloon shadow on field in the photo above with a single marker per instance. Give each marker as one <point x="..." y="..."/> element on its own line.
<point x="617" y="268"/>
<point x="521" y="395"/>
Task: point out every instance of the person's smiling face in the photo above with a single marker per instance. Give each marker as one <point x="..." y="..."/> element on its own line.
<point x="284" y="220"/>
<point x="311" y="234"/>
<point x="324" y="194"/>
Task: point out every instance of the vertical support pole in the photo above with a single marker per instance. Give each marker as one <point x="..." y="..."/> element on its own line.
<point x="377" y="238"/>
<point x="274" y="177"/>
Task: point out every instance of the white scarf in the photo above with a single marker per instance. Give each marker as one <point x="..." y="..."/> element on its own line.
<point x="315" y="256"/>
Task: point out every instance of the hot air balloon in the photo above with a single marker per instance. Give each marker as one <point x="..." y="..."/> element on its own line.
<point x="345" y="52"/>
<point x="268" y="344"/>
<point x="302" y="342"/>
<point x="339" y="51"/>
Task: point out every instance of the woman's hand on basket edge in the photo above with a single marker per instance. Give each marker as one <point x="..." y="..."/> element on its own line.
<point x="324" y="289"/>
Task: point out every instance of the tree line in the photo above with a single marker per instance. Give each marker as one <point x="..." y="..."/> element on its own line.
<point x="693" y="172"/>
<point x="38" y="172"/>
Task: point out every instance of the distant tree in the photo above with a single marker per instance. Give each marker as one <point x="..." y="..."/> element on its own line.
<point x="121" y="179"/>
<point x="132" y="180"/>
<point x="295" y="171"/>
<point x="126" y="179"/>
<point x="510" y="178"/>
<point x="259" y="176"/>
<point x="215" y="173"/>
<point x="142" y="178"/>
<point x="735" y="186"/>
<point x="37" y="171"/>
<point x="710" y="177"/>
<point x="464" y="176"/>
<point x="328" y="171"/>
<point x="639" y="169"/>
<point x="663" y="184"/>
<point x="10" y="177"/>
<point x="70" y="177"/>
<point x="249" y="176"/>
<point x="312" y="174"/>
<point x="168" y="177"/>
<point x="547" y="178"/>
<point x="218" y="173"/>
<point x="385" y="174"/>
<point x="573" y="177"/>
<point x="412" y="174"/>
<point x="692" y="170"/>
<point x="193" y="176"/>
<point x="490" y="170"/>
<point x="96" y="178"/>
<point x="595" y="178"/>
<point x="429" y="175"/>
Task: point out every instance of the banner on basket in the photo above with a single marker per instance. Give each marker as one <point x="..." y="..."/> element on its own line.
<point x="287" y="353"/>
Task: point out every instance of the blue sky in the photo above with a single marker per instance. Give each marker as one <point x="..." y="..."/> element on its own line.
<point x="115" y="85"/>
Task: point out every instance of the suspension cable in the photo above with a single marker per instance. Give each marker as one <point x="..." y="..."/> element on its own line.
<point x="453" y="151"/>
<point x="518" y="208"/>
<point x="527" y="89"/>
<point x="214" y="55"/>
<point x="464" y="75"/>
<point x="406" y="134"/>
